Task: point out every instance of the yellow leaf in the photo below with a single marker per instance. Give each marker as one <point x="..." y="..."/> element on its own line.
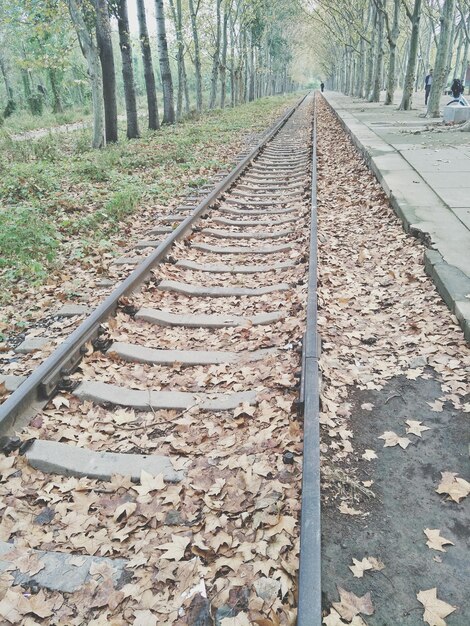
<point x="434" y="609"/>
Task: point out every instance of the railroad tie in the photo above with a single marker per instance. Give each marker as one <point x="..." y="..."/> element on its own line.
<point x="219" y="292"/>
<point x="204" y="320"/>
<point x="228" y="234"/>
<point x="147" y="400"/>
<point x="242" y="250"/>
<point x="220" y="268"/>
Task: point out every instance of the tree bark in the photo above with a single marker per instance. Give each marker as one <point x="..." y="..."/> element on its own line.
<point x="90" y="52"/>
<point x="393" y="34"/>
<point x="127" y="70"/>
<point x="216" y="57"/>
<point x="442" y="57"/>
<point x="57" y="104"/>
<point x="149" y="76"/>
<point x="197" y="56"/>
<point x="165" y="70"/>
<point x="407" y="97"/>
<point x="103" y="37"/>
<point x="223" y="59"/>
<point x="176" y="12"/>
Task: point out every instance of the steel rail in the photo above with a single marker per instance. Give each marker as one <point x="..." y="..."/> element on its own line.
<point x="309" y="592"/>
<point x="44" y="380"/>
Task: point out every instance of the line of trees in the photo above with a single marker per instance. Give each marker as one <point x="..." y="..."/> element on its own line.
<point x="195" y="53"/>
<point x="367" y="46"/>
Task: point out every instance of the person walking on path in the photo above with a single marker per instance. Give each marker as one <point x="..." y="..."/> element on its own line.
<point x="427" y="87"/>
<point x="322" y="86"/>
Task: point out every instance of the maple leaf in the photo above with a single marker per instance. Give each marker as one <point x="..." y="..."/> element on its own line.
<point x="175" y="549"/>
<point x="392" y="439"/>
<point x="456" y="488"/>
<point x="435" y="541"/>
<point x="369" y="455"/>
<point x="351" y="605"/>
<point x="436" y="406"/>
<point x="347" y="510"/>
<point x="367" y="406"/>
<point x="334" y="619"/>
<point x="434" y="609"/>
<point x="144" y="618"/>
<point x="241" y="619"/>
<point x="415" y="428"/>
<point x="367" y="563"/>
<point x="149" y="483"/>
<point x="360" y="567"/>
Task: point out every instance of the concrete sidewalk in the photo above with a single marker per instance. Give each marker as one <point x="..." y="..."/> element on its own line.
<point x="424" y="168"/>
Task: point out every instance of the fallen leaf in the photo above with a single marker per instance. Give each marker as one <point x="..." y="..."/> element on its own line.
<point x="144" y="618"/>
<point x="175" y="549"/>
<point x="456" y="488"/>
<point x="415" y="428"/>
<point x="351" y="605"/>
<point x="239" y="620"/>
<point x="392" y="439"/>
<point x="369" y="455"/>
<point x="347" y="510"/>
<point x="434" y="609"/>
<point x="367" y="563"/>
<point x="360" y="567"/>
<point x="435" y="541"/>
<point x="367" y="406"/>
<point x="436" y="406"/>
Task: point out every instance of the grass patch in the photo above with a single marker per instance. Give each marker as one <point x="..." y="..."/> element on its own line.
<point x="28" y="243"/>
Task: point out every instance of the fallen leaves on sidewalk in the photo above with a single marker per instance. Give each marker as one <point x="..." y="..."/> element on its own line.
<point x="392" y="439"/>
<point x="367" y="563"/>
<point x="453" y="486"/>
<point x="434" y="609"/>
<point x="351" y="605"/>
<point x="435" y="541"/>
<point x="416" y="427"/>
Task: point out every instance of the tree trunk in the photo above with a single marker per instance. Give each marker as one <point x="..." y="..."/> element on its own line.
<point x="456" y="72"/>
<point x="442" y="57"/>
<point x="407" y="98"/>
<point x="216" y="57"/>
<point x="182" y="82"/>
<point x="165" y="71"/>
<point x="197" y="56"/>
<point x="57" y="104"/>
<point x="127" y="70"/>
<point x="392" y="42"/>
<point x="103" y="37"/>
<point x="90" y="52"/>
<point x="6" y="78"/>
<point x="223" y="60"/>
<point x="463" y="71"/>
<point x="370" y="56"/>
<point x="149" y="76"/>
<point x="251" y="73"/>
<point x="379" y="55"/>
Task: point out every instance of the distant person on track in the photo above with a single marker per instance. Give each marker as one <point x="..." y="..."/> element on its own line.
<point x="427" y="87"/>
<point x="322" y="86"/>
<point x="457" y="90"/>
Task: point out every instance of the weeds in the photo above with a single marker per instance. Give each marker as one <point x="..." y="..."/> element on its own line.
<point x="28" y="243"/>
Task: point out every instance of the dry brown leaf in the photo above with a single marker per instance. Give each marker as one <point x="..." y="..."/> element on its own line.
<point x="456" y="488"/>
<point x="392" y="439"/>
<point x="415" y="428"/>
<point x="360" y="567"/>
<point x="347" y="510"/>
<point x="351" y="605"/>
<point x="434" y="609"/>
<point x="369" y="455"/>
<point x="241" y="619"/>
<point x="435" y="541"/>
<point x="144" y="618"/>
<point x="176" y="548"/>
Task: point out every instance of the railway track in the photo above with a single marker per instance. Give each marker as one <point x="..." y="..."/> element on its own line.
<point x="158" y="468"/>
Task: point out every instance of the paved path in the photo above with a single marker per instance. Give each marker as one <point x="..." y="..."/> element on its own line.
<point x="424" y="169"/>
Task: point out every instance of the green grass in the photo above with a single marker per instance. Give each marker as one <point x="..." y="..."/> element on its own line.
<point x="28" y="243"/>
<point x="56" y="189"/>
